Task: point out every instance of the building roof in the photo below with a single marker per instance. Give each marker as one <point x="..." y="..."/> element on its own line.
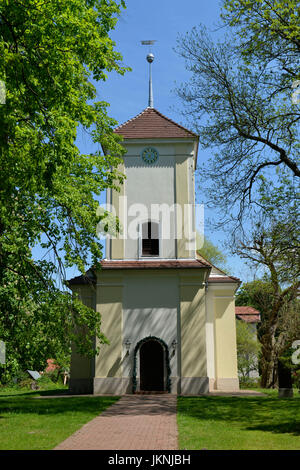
<point x="153" y="264"/>
<point x="224" y="278"/>
<point x="247" y="314"/>
<point x="216" y="274"/>
<point x="151" y="124"/>
<point x="87" y="279"/>
<point x="167" y="264"/>
<point x="90" y="277"/>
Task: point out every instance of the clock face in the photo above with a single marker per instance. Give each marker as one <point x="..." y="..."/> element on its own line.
<point x="149" y="155"/>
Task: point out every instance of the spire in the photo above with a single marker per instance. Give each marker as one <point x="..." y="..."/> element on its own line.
<point x="150" y="59"/>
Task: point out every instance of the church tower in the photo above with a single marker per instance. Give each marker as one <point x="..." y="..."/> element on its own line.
<point x="168" y="313"/>
<point x="157" y="198"/>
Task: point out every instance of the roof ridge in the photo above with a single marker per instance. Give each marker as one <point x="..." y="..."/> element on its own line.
<point x="159" y="114"/>
<point x="232" y="277"/>
<point x="214" y="266"/>
<point x="252" y="309"/>
<point x="173" y="122"/>
<point x="129" y="120"/>
<point x="205" y="260"/>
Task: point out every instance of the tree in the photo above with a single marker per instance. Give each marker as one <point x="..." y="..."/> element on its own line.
<point x="248" y="349"/>
<point x="50" y="51"/>
<point x="256" y="294"/>
<point x="239" y="102"/>
<point x="269" y="30"/>
<point x="211" y="252"/>
<point x="273" y="247"/>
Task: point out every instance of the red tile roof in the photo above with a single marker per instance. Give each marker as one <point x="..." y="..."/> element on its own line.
<point x="153" y="264"/>
<point x="90" y="277"/>
<point x="223" y="279"/>
<point x="246" y="311"/>
<point x="151" y="124"/>
<point x="247" y="314"/>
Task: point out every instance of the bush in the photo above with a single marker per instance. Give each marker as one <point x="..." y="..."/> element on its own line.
<point x="248" y="349"/>
<point x="28" y="384"/>
<point x="53" y="376"/>
<point x="20" y="377"/>
<point x="296" y="378"/>
<point x="46" y="380"/>
<point x="249" y="382"/>
<point x="23" y="380"/>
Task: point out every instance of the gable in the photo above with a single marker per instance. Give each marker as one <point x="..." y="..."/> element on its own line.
<point x="151" y="124"/>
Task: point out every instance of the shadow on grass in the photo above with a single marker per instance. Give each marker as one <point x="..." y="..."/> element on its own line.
<point x="281" y="428"/>
<point x="255" y="413"/>
<point x="22" y="404"/>
<point x="37" y="393"/>
<point x="57" y="391"/>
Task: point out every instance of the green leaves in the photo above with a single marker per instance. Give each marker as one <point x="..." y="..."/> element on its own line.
<point x="211" y="252"/>
<point x="248" y="348"/>
<point x="239" y="101"/>
<point x="50" y="51"/>
<point x="269" y="30"/>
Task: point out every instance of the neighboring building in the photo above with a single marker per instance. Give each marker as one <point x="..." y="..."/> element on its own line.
<point x="251" y="316"/>
<point x="169" y="315"/>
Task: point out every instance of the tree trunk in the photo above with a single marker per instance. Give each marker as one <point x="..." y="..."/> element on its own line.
<point x="269" y="372"/>
<point x="269" y="376"/>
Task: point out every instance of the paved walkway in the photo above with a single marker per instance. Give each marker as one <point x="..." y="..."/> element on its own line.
<point x="135" y="422"/>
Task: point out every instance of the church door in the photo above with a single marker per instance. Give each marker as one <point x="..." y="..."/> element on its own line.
<point x="151" y="366"/>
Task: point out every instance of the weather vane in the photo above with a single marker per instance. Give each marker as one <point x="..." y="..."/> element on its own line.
<point x="150" y="59"/>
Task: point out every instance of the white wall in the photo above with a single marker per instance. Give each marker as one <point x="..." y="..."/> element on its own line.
<point x="150" y="184"/>
<point x="150" y="309"/>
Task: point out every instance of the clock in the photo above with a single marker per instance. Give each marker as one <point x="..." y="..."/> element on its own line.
<point x="149" y="155"/>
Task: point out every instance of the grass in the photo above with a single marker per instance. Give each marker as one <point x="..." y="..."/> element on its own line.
<point x="239" y="423"/>
<point x="214" y="423"/>
<point x="28" y="423"/>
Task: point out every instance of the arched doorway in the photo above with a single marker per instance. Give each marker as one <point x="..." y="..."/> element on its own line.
<point x="151" y="366"/>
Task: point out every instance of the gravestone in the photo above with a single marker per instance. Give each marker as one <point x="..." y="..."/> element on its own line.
<point x="34" y="374"/>
<point x="285" y="383"/>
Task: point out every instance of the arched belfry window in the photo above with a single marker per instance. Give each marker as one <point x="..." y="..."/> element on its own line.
<point x="150" y="239"/>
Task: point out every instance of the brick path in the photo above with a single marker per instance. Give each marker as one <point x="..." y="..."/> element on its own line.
<point x="135" y="422"/>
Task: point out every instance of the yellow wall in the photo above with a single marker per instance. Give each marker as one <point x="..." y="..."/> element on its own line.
<point x="184" y="194"/>
<point x="182" y="198"/>
<point x="81" y="367"/>
<point x="196" y="347"/>
<point x="117" y="244"/>
<point x="192" y="313"/>
<point x="225" y="335"/>
<point x="109" y="304"/>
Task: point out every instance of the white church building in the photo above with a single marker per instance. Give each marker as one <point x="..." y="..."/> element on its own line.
<point x="169" y="315"/>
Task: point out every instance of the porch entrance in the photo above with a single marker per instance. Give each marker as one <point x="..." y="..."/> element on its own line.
<point x="152" y="366"/>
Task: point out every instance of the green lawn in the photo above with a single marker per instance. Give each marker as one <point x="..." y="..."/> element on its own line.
<point x="239" y="423"/>
<point x="203" y="422"/>
<point x="39" y="424"/>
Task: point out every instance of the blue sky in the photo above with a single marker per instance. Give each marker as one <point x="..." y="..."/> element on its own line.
<point x="160" y="20"/>
<point x="127" y="95"/>
<point x="163" y="21"/>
